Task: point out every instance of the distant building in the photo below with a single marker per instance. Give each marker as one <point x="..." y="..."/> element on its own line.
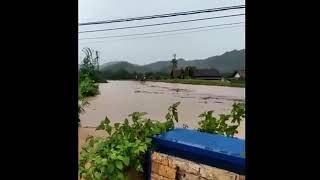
<point x="208" y="74"/>
<point x="239" y="74"/>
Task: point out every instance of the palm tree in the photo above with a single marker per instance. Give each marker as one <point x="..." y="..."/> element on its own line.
<point x="174" y="65"/>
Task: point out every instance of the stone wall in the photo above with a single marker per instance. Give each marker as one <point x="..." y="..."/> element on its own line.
<point x="166" y="167"/>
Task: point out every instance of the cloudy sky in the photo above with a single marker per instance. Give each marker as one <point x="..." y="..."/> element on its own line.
<point x="158" y="47"/>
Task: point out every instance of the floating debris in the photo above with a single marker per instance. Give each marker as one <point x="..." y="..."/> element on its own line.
<point x="204" y="102"/>
<point x="205" y="98"/>
<point x="186" y="96"/>
<point x="148" y="92"/>
<point x="222" y="98"/>
<point x="218" y="102"/>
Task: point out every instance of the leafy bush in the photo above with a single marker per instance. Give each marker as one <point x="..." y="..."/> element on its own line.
<point x="126" y="145"/>
<point x="124" y="148"/>
<point x="226" y="124"/>
<point x="88" y="87"/>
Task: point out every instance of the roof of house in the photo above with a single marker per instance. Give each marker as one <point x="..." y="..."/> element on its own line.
<point x="206" y="73"/>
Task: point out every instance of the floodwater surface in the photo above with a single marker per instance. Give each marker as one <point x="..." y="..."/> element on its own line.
<point x="118" y="99"/>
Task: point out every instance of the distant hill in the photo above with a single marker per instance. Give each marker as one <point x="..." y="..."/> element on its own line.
<point x="225" y="63"/>
<point x="115" y="66"/>
<point x="110" y="63"/>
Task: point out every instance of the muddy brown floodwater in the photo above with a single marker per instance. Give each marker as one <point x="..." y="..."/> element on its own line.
<point x="118" y="99"/>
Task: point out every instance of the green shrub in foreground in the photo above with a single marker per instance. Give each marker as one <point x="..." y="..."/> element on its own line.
<point x="127" y="143"/>
<point x="125" y="147"/>
<point x="226" y="124"/>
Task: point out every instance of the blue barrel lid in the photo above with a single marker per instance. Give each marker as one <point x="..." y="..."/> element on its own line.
<point x="212" y="149"/>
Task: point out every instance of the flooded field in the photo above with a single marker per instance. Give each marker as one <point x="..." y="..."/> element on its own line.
<point x="118" y="99"/>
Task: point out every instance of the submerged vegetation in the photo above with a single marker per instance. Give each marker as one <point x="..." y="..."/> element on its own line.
<point x="88" y="76"/>
<point x="88" y="87"/>
<point x="125" y="147"/>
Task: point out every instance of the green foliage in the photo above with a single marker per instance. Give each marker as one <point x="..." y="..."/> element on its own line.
<point x="125" y="146"/>
<point x="88" y="75"/>
<point x="88" y="87"/>
<point x="226" y="124"/>
<point x="182" y="73"/>
<point x="87" y="67"/>
<point x="149" y="75"/>
<point x="188" y="71"/>
<point x="90" y="65"/>
<point x="157" y="75"/>
<point x="237" y="81"/>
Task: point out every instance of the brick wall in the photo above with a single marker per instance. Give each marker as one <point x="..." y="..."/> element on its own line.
<point x="166" y="167"/>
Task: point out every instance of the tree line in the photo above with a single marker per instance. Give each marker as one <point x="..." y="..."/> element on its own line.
<point x="90" y="67"/>
<point x="182" y="73"/>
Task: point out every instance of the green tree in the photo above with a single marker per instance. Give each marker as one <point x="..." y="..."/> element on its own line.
<point x="188" y="71"/>
<point x="88" y="74"/>
<point x="149" y="75"/>
<point x="90" y="65"/>
<point x="182" y="73"/>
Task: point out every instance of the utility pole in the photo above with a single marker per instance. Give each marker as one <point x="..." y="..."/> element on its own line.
<point x="97" y="59"/>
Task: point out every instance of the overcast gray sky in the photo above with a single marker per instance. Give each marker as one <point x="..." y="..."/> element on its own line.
<point x="140" y="50"/>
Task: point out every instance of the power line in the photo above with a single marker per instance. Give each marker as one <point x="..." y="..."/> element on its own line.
<point x="147" y="25"/>
<point x="156" y="32"/>
<point x="164" y="15"/>
<point x="168" y="34"/>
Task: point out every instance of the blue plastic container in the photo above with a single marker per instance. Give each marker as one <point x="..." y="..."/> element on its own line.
<point x="211" y="149"/>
